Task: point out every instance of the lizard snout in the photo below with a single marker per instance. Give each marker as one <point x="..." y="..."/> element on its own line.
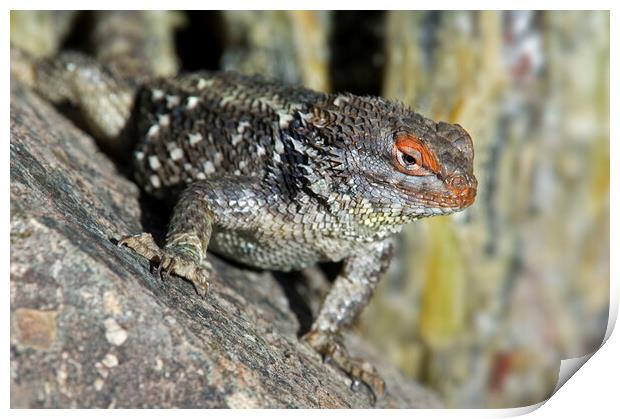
<point x="463" y="187"/>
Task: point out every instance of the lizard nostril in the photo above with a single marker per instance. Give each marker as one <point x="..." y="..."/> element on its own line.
<point x="457" y="182"/>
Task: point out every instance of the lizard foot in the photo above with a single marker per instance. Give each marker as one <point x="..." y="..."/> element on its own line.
<point x="332" y="349"/>
<point x="169" y="262"/>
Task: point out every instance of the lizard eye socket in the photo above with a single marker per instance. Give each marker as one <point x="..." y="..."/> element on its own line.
<point x="411" y="157"/>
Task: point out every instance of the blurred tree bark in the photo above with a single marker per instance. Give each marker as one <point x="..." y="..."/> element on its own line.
<point x="501" y="289"/>
<point x="288" y="45"/>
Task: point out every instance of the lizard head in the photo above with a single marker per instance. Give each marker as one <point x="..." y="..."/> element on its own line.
<point x="434" y="166"/>
<point x="414" y="167"/>
<point x="390" y="165"/>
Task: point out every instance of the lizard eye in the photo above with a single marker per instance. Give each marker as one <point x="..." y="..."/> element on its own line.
<point x="411" y="157"/>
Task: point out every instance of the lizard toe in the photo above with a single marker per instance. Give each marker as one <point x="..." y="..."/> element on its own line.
<point x="171" y="262"/>
<point x="332" y="349"/>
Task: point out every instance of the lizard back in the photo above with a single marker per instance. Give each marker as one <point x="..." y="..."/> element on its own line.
<point x="203" y="124"/>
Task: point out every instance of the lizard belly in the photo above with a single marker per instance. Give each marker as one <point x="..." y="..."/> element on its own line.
<point x="275" y="253"/>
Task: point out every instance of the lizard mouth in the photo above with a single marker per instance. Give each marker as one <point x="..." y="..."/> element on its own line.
<point x="454" y="199"/>
<point x="448" y="201"/>
<point x="459" y="192"/>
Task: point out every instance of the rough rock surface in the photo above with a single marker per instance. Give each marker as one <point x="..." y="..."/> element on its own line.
<point x="92" y="327"/>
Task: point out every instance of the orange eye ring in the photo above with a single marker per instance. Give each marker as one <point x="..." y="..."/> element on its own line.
<point x="411" y="156"/>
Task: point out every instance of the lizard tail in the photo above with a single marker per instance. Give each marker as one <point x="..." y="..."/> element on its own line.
<point x="103" y="97"/>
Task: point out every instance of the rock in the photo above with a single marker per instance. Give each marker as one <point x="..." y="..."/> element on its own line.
<point x="91" y="326"/>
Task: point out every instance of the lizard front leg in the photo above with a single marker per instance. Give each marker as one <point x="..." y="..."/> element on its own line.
<point x="202" y="205"/>
<point x="348" y="296"/>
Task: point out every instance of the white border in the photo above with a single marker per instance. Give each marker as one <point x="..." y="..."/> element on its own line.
<point x="592" y="392"/>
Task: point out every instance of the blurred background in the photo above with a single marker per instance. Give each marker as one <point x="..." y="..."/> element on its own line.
<point x="480" y="306"/>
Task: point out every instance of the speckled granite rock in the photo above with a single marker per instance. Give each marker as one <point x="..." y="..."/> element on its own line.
<point x="92" y="327"/>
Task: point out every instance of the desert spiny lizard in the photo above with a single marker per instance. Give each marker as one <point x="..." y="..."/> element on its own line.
<point x="273" y="175"/>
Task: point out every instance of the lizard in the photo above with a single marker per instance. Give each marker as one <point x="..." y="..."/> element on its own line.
<point x="274" y="176"/>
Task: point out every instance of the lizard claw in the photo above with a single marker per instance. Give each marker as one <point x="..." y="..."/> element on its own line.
<point x="165" y="267"/>
<point x="167" y="262"/>
<point x="331" y="348"/>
